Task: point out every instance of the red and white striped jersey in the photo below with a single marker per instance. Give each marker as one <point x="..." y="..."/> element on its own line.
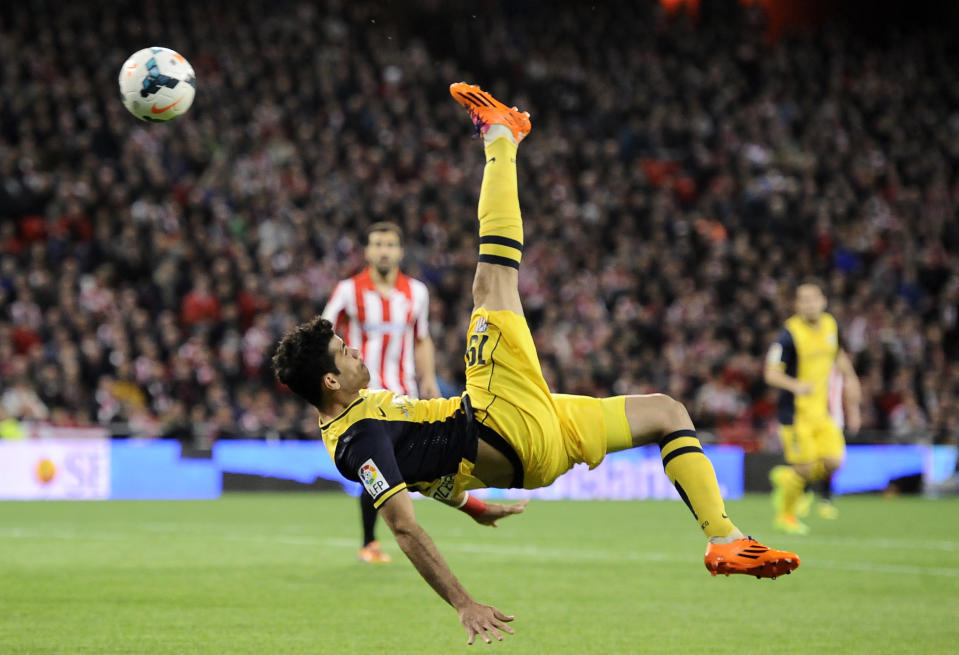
<point x="384" y="329"/>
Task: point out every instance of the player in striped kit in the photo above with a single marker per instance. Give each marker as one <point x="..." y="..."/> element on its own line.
<point x="385" y="315"/>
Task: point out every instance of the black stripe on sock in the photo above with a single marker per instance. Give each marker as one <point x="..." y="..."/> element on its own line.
<point x="682" y="494"/>
<point x="499" y="261"/>
<point x="502" y="241"/>
<point x="681" y="451"/>
<point x="675" y="435"/>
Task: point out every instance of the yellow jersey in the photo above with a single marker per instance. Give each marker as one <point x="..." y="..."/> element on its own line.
<point x="806" y="352"/>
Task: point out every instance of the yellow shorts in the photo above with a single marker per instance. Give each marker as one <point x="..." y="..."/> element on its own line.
<point x="809" y="440"/>
<point x="549" y="432"/>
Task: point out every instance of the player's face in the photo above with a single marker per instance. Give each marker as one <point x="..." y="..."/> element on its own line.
<point x="353" y="372"/>
<point x="810" y="302"/>
<point x="384" y="252"/>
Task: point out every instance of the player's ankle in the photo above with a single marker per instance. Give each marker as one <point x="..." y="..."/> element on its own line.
<point x="729" y="538"/>
<point x="496" y="131"/>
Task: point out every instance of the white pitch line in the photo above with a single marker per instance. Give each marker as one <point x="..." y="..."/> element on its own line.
<point x="892" y="569"/>
<point x="530" y="551"/>
<point x="896" y="544"/>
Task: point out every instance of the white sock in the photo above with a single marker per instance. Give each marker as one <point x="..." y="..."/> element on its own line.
<point x="729" y="538"/>
<point x="497" y="132"/>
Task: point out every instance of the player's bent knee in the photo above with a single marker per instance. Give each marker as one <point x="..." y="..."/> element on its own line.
<point x="672" y="413"/>
<point x="831" y="465"/>
<point x="804" y="469"/>
<point x="678" y="415"/>
<point x="652" y="416"/>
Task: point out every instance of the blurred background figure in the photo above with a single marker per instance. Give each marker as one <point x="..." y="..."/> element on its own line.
<point x="803" y="364"/>
<point x="384" y="314"/>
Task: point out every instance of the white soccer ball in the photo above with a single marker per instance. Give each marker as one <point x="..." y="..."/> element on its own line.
<point x="157" y="84"/>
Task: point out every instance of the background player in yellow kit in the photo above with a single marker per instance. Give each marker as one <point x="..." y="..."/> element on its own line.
<point x="507" y="430"/>
<point x="800" y="363"/>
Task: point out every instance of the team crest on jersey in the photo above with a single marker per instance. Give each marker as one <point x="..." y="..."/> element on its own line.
<point x="372" y="479"/>
<point x="481" y="325"/>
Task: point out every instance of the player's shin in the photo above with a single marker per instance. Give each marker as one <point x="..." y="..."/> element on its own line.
<point x="501" y="224"/>
<point x="691" y="472"/>
<point x="790" y="487"/>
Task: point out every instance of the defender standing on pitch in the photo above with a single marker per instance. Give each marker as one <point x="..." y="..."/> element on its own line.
<point x="800" y="363"/>
<point x="507" y="430"/>
<point x="385" y="315"/>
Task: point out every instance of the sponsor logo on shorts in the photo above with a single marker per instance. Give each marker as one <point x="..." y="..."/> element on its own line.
<point x="442" y="489"/>
<point x="372" y="479"/>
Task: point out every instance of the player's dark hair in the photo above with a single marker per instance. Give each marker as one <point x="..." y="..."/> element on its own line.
<point x="384" y="226"/>
<point x="303" y="357"/>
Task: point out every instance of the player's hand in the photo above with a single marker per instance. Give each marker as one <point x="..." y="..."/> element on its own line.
<point x="802" y="389"/>
<point x="495" y="511"/>
<point x="429" y="389"/>
<point x="485" y="621"/>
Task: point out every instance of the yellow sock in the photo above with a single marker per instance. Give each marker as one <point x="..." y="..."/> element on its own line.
<point x="501" y="224"/>
<point x="791" y="486"/>
<point x="691" y="472"/>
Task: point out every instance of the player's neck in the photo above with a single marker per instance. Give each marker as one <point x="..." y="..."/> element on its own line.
<point x="335" y="406"/>
<point x="384" y="283"/>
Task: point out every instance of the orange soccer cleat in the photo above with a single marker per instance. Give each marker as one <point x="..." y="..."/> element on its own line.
<point x="749" y="557"/>
<point x="373" y="554"/>
<point x="485" y="110"/>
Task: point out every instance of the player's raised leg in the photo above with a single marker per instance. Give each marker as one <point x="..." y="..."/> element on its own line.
<point x="496" y="284"/>
<point x="657" y="418"/>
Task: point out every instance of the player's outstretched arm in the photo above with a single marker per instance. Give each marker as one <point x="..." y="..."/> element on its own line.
<point x="483" y="620"/>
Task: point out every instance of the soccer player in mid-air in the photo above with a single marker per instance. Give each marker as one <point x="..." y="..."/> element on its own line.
<point x="801" y="364"/>
<point x="507" y="429"/>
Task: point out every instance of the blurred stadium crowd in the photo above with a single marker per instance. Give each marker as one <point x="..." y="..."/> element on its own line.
<point x="682" y="176"/>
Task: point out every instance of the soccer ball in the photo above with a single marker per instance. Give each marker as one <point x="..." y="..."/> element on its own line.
<point x="157" y="84"/>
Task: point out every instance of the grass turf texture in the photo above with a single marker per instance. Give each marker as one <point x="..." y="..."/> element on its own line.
<point x="277" y="574"/>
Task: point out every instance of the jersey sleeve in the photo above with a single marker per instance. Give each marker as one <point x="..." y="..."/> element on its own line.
<point x="368" y="455"/>
<point x="421" y="323"/>
<point x="782" y="354"/>
<point x="335" y="310"/>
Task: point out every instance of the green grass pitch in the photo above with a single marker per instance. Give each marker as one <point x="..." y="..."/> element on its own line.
<point x="277" y="573"/>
